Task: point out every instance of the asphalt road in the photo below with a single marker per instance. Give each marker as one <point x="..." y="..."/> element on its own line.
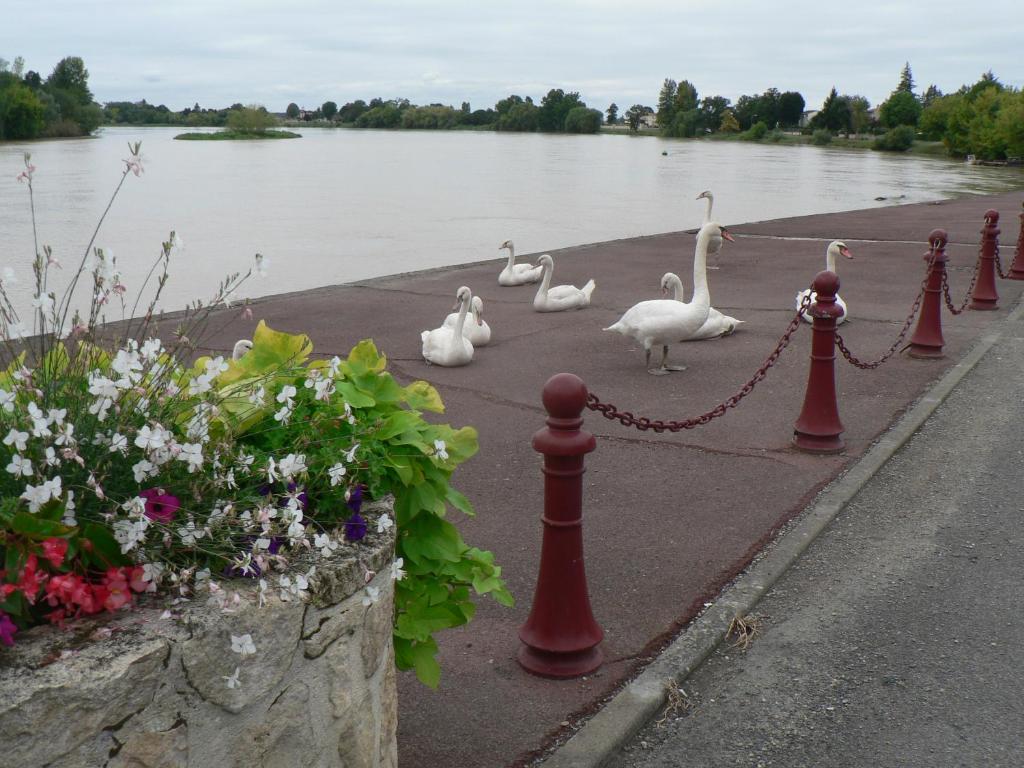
<point x="898" y="639"/>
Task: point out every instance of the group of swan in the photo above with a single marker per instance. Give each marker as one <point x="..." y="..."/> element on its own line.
<point x="548" y="299"/>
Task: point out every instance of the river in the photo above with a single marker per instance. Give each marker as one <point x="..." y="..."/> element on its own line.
<point x="343" y="205"/>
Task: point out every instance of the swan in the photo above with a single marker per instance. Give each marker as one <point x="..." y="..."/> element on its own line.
<point x="478" y="331"/>
<point x="517" y="274"/>
<point x="446" y="345"/>
<point x="666" y="321"/>
<point x="241" y="347"/>
<point x="836" y="247"/>
<point x="716" y="325"/>
<point x="560" y="297"/>
<point x="716" y="243"/>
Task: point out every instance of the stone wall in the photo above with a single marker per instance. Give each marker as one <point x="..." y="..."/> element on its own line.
<point x="142" y="690"/>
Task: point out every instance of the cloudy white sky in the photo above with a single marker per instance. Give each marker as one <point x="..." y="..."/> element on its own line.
<point x="217" y="52"/>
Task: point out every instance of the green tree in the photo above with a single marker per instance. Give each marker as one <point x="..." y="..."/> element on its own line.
<point x="834" y="115"/>
<point x="667" y="103"/>
<point x="583" y="120"/>
<point x="634" y="115"/>
<point x="686" y="97"/>
<point x="791" y="109"/>
<point x="1010" y="124"/>
<point x="251" y="119"/>
<point x="521" y="116"/>
<point x="860" y="119"/>
<point x="931" y="94"/>
<point x="901" y="108"/>
<point x="329" y="110"/>
<point x="21" y="113"/>
<point x="554" y="108"/>
<point x="898" y="139"/>
<point x="712" y="108"/>
<point x="686" y="124"/>
<point x="292" y="111"/>
<point x="729" y="122"/>
<point x="71" y="75"/>
<point x="613" y="113"/>
<point x="746" y="110"/>
<point x="906" y="84"/>
<point x="351" y="111"/>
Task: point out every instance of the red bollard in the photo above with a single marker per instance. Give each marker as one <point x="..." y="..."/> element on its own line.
<point x="818" y="429"/>
<point x="1017" y="268"/>
<point x="984" y="295"/>
<point x="927" y="341"/>
<point x="561" y="636"/>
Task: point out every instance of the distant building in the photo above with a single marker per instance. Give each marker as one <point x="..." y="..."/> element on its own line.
<point x="807" y="116"/>
<point x="649" y="121"/>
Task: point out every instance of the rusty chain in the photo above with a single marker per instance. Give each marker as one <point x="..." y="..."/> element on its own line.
<point x="970" y="288"/>
<point x="627" y="419"/>
<point x="999" y="264"/>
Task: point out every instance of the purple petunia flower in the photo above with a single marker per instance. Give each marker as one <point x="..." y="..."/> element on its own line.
<point x="355" y="498"/>
<point x="160" y="506"/>
<point x="355" y="528"/>
<point x="7" y="630"/>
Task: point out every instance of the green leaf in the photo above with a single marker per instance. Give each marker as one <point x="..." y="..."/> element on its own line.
<point x="397" y="423"/>
<point x="427" y="669"/>
<point x="459" y="501"/>
<point x="364" y="358"/>
<point x="272" y="352"/>
<point x="353" y="396"/>
<point x="423" y="397"/>
<point x="105" y="551"/>
<point x="32" y="527"/>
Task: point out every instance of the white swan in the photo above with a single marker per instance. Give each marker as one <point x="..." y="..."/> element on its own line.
<point x="835" y="248"/>
<point x="241" y="347"/>
<point x="666" y="321"/>
<point x="446" y="345"/>
<point x="517" y="274"/>
<point x="716" y="325"/>
<point x="478" y="331"/>
<point x="716" y="243"/>
<point x="560" y="297"/>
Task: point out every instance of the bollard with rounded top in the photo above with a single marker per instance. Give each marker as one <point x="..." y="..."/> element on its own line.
<point x="560" y="637"/>
<point x="1017" y="268"/>
<point x="927" y="341"/>
<point x="984" y="296"/>
<point x="819" y="430"/>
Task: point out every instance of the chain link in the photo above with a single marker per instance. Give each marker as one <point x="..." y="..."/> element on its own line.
<point x="999" y="263"/>
<point x="627" y="419"/>
<point x="970" y="288"/>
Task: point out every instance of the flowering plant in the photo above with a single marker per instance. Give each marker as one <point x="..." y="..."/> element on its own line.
<point x="132" y="467"/>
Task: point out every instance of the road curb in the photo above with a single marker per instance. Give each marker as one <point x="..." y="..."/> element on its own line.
<point x="636" y="704"/>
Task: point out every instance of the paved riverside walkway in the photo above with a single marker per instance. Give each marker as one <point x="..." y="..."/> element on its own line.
<point x="671" y="518"/>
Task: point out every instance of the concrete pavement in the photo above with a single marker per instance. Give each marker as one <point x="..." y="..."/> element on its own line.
<point x="670" y="519"/>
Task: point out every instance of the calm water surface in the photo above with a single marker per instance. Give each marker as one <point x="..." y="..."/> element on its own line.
<point x="342" y="205"/>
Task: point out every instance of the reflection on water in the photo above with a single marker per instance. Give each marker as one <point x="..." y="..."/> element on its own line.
<point x="342" y="205"/>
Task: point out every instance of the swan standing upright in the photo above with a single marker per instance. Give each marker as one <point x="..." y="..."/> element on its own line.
<point x="666" y="321"/>
<point x="716" y="325"/>
<point x="835" y="248"/>
<point x="560" y="297"/>
<point x="478" y="332"/>
<point x="517" y="274"/>
<point x="446" y="345"/>
<point x="716" y="244"/>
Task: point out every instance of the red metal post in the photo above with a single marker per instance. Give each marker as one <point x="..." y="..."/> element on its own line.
<point x="561" y="636"/>
<point x="984" y="295"/>
<point x="1017" y="268"/>
<point x="818" y="429"/>
<point x="927" y="341"/>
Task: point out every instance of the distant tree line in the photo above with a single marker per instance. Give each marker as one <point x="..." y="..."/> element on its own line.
<point x="60" y="105"/>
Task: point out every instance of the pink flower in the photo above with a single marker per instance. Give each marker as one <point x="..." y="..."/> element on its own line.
<point x="54" y="550"/>
<point x="117" y="585"/>
<point x="160" y="506"/>
<point x="7" y="630"/>
<point x="26" y="175"/>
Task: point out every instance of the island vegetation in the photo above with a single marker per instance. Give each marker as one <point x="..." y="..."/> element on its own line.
<point x="984" y="119"/>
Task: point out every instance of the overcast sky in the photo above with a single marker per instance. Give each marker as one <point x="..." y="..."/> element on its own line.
<point x="217" y="52"/>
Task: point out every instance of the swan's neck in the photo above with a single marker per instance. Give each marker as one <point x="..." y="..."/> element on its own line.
<point x="476" y="315"/>
<point x="678" y="292"/>
<point x="460" y="321"/>
<point x="511" y="256"/>
<point x="830" y="260"/>
<point x="708" y="202"/>
<point x="545" y="283"/>
<point x="701" y="295"/>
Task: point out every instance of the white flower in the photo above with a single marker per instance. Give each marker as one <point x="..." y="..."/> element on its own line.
<point x="36" y="496"/>
<point x="284" y="415"/>
<point x="215" y="367"/>
<point x="127" y="364"/>
<point x="43" y="302"/>
<point x="151" y="349"/>
<point x="69" y="510"/>
<point x="142" y="470"/>
<point x="18" y="439"/>
<point x="20" y="466"/>
<point x="52" y="460"/>
<point x="136" y="506"/>
<point x="324" y="389"/>
<point x="271" y="470"/>
<point x="199" y="385"/>
<point x="130" y="533"/>
<point x="291" y="465"/>
<point x="350" y="454"/>
<point x="258" y="395"/>
<point x="349" y="417"/>
<point x="152" y="573"/>
<point x="150" y="439"/>
<point x="337" y="472"/>
<point x="66" y="436"/>
<point x="232" y="681"/>
<point x="325" y="544"/>
<point x="193" y="454"/>
<point x="243" y="645"/>
<point x="7" y="400"/>
<point x="118" y="444"/>
<point x="383" y="523"/>
<point x="334" y="366"/>
<point x="372" y="596"/>
<point x="189" y="534"/>
<point x="396" y="569"/>
<point x="441" y="450"/>
<point x="56" y="416"/>
<point x="286" y="394"/>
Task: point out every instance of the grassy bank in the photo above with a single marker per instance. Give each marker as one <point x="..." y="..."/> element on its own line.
<point x="238" y="136"/>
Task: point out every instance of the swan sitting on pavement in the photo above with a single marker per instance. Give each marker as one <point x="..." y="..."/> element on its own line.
<point x="241" y="347"/>
<point x="835" y="248"/>
<point x="477" y="331"/>
<point x="447" y="346"/>
<point x="517" y="274"/>
<point x="560" y="297"/>
<point x="666" y="321"/>
<point x="716" y="325"/>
